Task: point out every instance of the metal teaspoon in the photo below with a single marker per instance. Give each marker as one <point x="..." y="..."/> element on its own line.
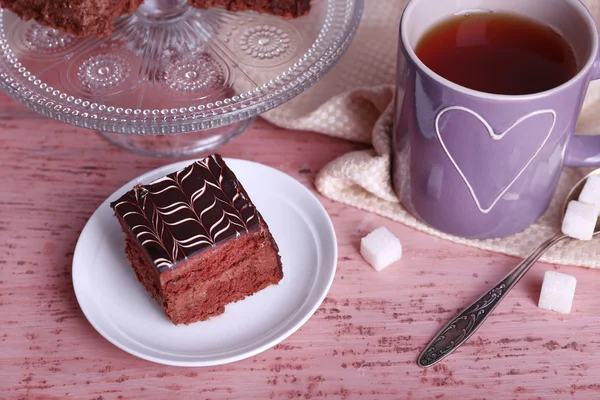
<point x="461" y="327"/>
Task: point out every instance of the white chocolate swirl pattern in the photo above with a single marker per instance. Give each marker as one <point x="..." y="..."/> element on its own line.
<point x="187" y="211"/>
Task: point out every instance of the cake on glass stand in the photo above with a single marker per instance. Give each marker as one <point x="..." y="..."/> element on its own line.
<point x="173" y="80"/>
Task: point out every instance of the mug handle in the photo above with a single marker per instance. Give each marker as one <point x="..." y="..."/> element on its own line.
<point x="584" y="150"/>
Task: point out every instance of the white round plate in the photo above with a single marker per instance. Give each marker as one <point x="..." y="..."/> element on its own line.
<point x="121" y="310"/>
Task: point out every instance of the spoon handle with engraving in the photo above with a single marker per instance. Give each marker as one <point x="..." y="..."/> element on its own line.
<point x="461" y="327"/>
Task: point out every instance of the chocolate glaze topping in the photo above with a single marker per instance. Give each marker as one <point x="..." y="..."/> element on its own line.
<point x="188" y="211"/>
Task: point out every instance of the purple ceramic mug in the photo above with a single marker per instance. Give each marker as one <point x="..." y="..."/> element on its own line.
<point x="481" y="165"/>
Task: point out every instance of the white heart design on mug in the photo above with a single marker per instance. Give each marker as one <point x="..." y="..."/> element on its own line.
<point x="493" y="136"/>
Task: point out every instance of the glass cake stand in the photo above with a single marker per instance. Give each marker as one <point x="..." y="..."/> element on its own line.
<point x="173" y="80"/>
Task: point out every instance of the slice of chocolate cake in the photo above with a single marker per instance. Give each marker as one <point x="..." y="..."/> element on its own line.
<point x="77" y="17"/>
<point x="196" y="241"/>
<point x="95" y="17"/>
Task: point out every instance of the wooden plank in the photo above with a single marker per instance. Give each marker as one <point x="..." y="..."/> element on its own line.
<point x="362" y="342"/>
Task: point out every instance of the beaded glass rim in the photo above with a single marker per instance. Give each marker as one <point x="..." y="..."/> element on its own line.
<point x="340" y="25"/>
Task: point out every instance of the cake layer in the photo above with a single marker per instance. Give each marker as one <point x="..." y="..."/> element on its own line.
<point x="202" y="286"/>
<point x="283" y="8"/>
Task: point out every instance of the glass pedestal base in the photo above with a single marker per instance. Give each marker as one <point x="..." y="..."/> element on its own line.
<point x="177" y="145"/>
<point x="195" y="77"/>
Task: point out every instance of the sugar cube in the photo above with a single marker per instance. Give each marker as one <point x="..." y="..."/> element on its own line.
<point x="591" y="191"/>
<point x="380" y="248"/>
<point x="558" y="291"/>
<point x="580" y="220"/>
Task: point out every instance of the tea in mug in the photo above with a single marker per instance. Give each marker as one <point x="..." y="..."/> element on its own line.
<point x="498" y="52"/>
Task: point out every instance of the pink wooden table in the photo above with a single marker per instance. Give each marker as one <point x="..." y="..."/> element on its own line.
<point x="362" y="342"/>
